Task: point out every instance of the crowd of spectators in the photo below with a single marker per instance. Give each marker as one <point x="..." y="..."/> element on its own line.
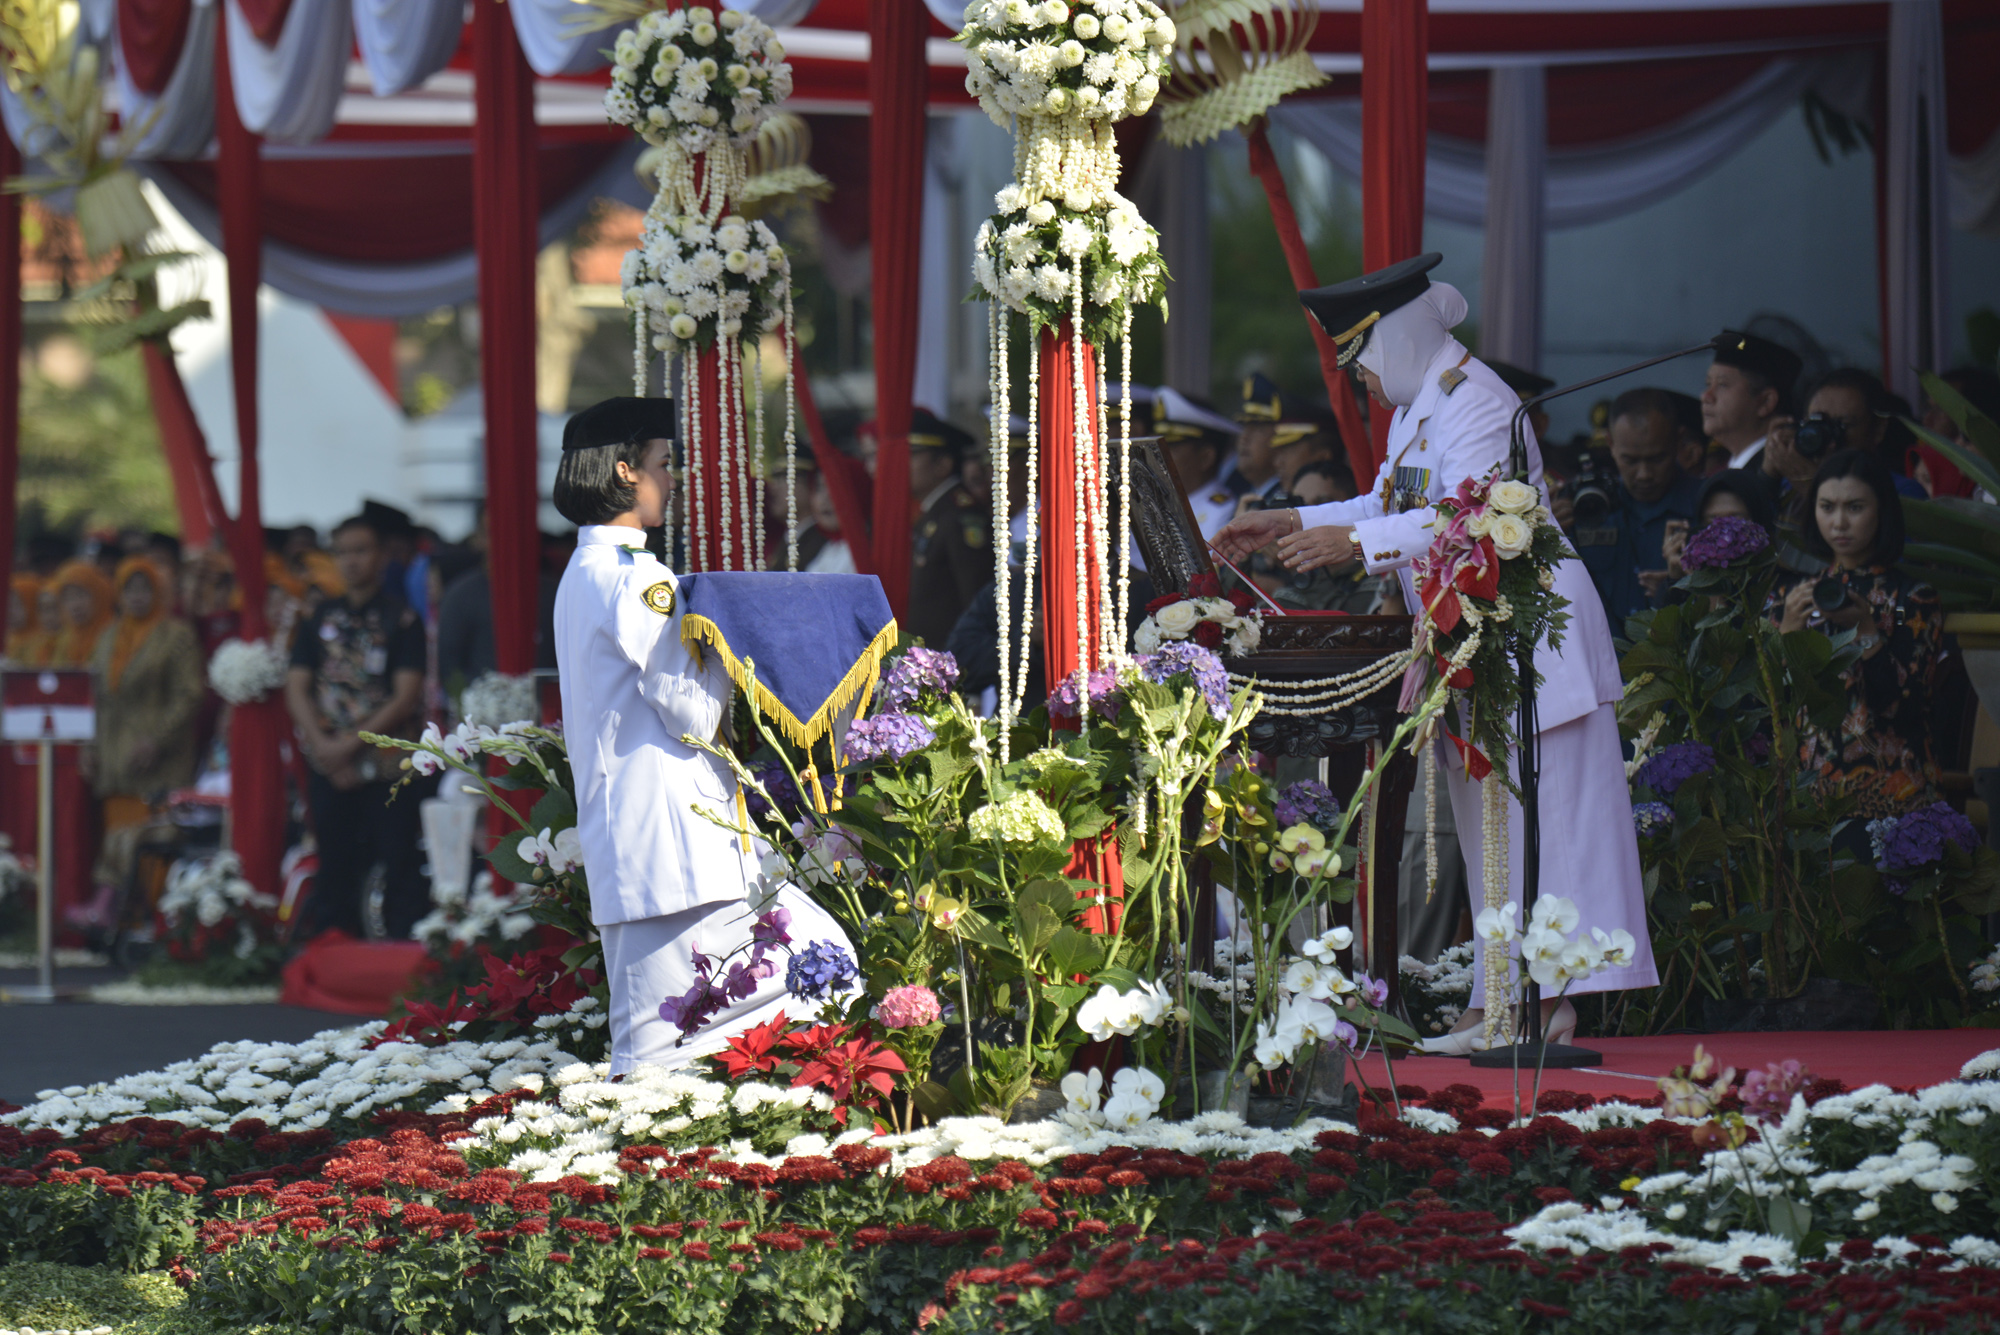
<point x="1825" y="468"/>
<point x="383" y="624"/>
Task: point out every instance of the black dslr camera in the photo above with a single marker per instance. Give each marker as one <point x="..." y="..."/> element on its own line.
<point x="1590" y="487"/>
<point x="1818" y="434"/>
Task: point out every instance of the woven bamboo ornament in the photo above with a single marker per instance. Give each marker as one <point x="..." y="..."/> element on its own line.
<point x="1234" y="61"/>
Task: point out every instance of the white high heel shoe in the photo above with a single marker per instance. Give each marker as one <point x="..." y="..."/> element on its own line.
<point x="1561" y="1028"/>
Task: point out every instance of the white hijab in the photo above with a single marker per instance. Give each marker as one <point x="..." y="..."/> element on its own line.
<point x="1403" y="342"/>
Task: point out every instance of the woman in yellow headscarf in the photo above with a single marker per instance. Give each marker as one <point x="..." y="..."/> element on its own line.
<point x="25" y="636"/>
<point x="83" y="600"/>
<point x="149" y="670"/>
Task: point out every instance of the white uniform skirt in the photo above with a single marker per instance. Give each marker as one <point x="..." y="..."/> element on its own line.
<point x="1590" y="852"/>
<point x="652" y="959"/>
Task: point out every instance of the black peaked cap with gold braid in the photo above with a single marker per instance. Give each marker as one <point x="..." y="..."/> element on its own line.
<point x="1263" y="401"/>
<point x="1347" y="311"/>
<point x="928" y="431"/>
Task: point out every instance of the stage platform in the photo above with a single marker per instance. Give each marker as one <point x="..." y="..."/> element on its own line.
<point x="1908" y="1059"/>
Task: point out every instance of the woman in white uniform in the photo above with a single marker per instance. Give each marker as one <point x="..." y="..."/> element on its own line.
<point x="1452" y="418"/>
<point x="665" y="881"/>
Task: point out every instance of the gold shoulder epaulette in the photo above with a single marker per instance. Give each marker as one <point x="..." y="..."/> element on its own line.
<point x="1450" y="379"/>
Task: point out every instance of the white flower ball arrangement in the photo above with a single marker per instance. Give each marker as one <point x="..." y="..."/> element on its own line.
<point x="243" y="671"/>
<point x="1095" y="60"/>
<point x="697" y="281"/>
<point x="1239" y="631"/>
<point x="695" y="76"/>
<point x="1030" y="256"/>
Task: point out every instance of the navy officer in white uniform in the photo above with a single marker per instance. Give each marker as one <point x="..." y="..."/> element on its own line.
<point x="1452" y="416"/>
<point x="664" y="879"/>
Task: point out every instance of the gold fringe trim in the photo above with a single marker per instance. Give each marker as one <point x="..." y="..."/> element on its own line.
<point x="697" y="631"/>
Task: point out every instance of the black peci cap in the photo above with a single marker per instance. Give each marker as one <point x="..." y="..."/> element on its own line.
<point x="386" y="519"/>
<point x="1777" y="363"/>
<point x="1525" y="383"/>
<point x="620" y="421"/>
<point x="1347" y="311"/>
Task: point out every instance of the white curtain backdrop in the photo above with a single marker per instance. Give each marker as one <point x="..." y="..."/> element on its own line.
<point x="181" y="120"/>
<point x="1517" y="135"/>
<point x="404" y="42"/>
<point x="1588" y="185"/>
<point x="937" y="285"/>
<point x="289" y="92"/>
<point x="554" y="41"/>
<point x="777" y="13"/>
<point x="391" y="291"/>
<point x="1915" y="212"/>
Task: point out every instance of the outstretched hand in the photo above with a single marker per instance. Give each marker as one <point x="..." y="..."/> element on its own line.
<point x="1326" y="545"/>
<point x="1254" y="530"/>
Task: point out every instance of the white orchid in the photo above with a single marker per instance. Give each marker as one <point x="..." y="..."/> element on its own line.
<point x="1555" y="913"/>
<point x="1498" y="927"/>
<point x="1323" y="947"/>
<point x="1081" y="1089"/>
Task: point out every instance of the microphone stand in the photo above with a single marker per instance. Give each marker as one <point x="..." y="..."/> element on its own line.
<point x="1531" y="1048"/>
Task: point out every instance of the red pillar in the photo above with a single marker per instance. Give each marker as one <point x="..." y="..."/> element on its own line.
<point x="1062" y="634"/>
<point x="506" y="220"/>
<point x="898" y="81"/>
<point x="1395" y="92"/>
<point x="10" y="354"/>
<point x="1339" y="389"/>
<point x="256" y="731"/>
<point x="196" y="497"/>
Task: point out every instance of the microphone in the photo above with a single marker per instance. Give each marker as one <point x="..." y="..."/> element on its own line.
<point x="1531" y="1048"/>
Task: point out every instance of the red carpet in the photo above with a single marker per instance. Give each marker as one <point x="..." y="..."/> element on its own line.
<point x="1906" y="1059"/>
<point x="337" y="973"/>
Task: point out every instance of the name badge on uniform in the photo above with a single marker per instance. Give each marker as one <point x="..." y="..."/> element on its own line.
<point x="1410" y="489"/>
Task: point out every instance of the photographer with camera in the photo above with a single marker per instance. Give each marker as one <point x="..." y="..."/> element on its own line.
<point x="1850" y="409"/>
<point x="1623" y="544"/>
<point x="1881" y="755"/>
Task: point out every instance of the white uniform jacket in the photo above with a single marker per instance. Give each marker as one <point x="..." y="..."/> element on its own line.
<point x="1458" y="429"/>
<point x="630" y="689"/>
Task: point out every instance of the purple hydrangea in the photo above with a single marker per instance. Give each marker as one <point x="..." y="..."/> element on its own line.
<point x="1104" y="697"/>
<point x="1912" y="844"/>
<point x="1184" y="658"/>
<point x="778" y="783"/>
<point x="1721" y="542"/>
<point x="917" y="673"/>
<point x="820" y="970"/>
<point x="1651" y="818"/>
<point x="1308" y="802"/>
<point x="1667" y="770"/>
<point x="887" y="737"/>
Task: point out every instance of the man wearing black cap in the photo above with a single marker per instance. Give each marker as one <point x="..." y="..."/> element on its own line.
<point x="1266" y="416"/>
<point x="665" y="881"/>
<point x="951" y="549"/>
<point x="1451" y="424"/>
<point x="1749" y="383"/>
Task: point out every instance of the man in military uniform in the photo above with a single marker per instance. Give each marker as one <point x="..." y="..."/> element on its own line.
<point x="1624" y="550"/>
<point x="1195" y="438"/>
<point x="951" y="547"/>
<point x="1268" y="419"/>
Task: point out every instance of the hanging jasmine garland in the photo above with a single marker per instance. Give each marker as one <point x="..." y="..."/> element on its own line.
<point x="1068" y="253"/>
<point x="698" y="85"/>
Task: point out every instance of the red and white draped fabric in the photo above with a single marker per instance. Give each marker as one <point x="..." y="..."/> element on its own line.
<point x="1517" y="150"/>
<point x="288" y="62"/>
<point x="404" y="42"/>
<point x="1915" y="221"/>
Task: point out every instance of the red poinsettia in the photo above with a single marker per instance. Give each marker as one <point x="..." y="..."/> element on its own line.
<point x="847" y="1070"/>
<point x="754" y="1049"/>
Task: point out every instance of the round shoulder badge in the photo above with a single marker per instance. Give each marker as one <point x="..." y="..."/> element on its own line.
<point x="659" y="597"/>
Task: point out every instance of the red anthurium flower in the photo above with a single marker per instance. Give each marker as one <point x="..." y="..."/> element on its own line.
<point x="1442" y="600"/>
<point x="1458" y="680"/>
<point x="1477" y="766"/>
<point x="1483" y="579"/>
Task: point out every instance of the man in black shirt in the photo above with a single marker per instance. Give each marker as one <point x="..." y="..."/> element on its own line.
<point x="358" y="666"/>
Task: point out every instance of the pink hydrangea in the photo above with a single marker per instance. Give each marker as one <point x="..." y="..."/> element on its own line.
<point x="908" y="1008"/>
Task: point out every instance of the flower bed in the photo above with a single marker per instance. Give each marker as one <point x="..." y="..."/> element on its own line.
<point x="503" y="1185"/>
